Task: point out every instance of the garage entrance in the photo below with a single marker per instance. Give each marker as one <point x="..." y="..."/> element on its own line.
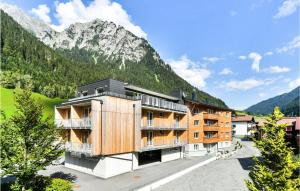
<point x="149" y="157"/>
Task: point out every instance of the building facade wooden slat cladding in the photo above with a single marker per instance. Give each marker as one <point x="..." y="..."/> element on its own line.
<point x="112" y="128"/>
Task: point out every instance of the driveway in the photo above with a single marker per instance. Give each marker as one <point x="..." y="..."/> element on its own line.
<point x="225" y="174"/>
<point x="123" y="182"/>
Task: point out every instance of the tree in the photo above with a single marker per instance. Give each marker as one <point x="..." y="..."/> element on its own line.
<point x="275" y="169"/>
<point x="28" y="142"/>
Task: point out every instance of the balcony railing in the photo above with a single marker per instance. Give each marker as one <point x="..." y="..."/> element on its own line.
<point x="82" y="123"/>
<point x="163" y="104"/>
<point x="212" y="139"/>
<point x="78" y="147"/>
<point x="214" y="116"/>
<point x="164" y="126"/>
<point x="207" y="127"/>
<point x="163" y="144"/>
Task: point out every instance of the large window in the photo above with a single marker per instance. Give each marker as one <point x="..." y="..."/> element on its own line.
<point x="196" y="110"/>
<point x="196" y="122"/>
<point x="150" y="119"/>
<point x="177" y="136"/>
<point x="196" y="135"/>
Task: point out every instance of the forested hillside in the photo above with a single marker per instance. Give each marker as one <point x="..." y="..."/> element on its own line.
<point x="287" y="102"/>
<point x="27" y="62"/>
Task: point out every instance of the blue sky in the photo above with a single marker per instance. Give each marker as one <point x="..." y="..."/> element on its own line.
<point x="240" y="51"/>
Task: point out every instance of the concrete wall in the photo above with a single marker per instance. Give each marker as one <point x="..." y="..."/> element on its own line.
<point x="190" y="150"/>
<point x="171" y="154"/>
<point x="241" y="128"/>
<point x="224" y="144"/>
<point x="103" y="167"/>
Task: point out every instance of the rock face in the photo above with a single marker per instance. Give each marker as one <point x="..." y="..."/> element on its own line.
<point x="101" y="37"/>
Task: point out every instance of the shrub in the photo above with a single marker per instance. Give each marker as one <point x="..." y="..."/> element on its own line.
<point x="58" y="184"/>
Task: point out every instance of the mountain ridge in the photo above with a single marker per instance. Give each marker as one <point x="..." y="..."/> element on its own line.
<point x="287" y="102"/>
<point x="150" y="72"/>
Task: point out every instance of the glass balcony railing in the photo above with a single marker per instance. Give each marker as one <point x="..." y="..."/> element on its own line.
<point x="163" y="104"/>
<point x="82" y="123"/>
<point x="78" y="147"/>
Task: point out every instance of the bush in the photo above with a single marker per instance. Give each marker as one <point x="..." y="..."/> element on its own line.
<point x="58" y="184"/>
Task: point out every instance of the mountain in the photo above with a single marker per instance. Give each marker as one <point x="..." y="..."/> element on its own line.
<point x="287" y="102"/>
<point x="56" y="63"/>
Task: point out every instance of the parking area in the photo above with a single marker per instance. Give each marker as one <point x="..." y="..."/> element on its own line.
<point x="127" y="181"/>
<point x="226" y="174"/>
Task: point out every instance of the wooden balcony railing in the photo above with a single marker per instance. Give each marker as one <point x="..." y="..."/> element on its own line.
<point x="211" y="128"/>
<point x="214" y="116"/>
<point x="164" y="126"/>
<point x="213" y="139"/>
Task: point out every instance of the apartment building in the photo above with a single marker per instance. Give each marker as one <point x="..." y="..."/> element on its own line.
<point x="209" y="128"/>
<point x="112" y="127"/>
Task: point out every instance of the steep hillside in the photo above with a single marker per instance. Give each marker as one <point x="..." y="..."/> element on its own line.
<point x="287" y="102"/>
<point x="7" y="102"/>
<point x="58" y="72"/>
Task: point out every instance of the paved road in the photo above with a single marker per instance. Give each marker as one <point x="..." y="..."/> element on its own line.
<point x="226" y="174"/>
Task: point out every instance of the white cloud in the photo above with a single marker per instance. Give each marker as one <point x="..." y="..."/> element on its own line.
<point x="226" y="71"/>
<point x="242" y="57"/>
<point x="269" y="53"/>
<point x="287" y="8"/>
<point x="242" y="84"/>
<point x="291" y="46"/>
<point x="276" y="69"/>
<point x="294" y="83"/>
<point x="42" y="12"/>
<point x="211" y="59"/>
<point x="73" y="11"/>
<point x="190" y="71"/>
<point x="261" y="94"/>
<point x="256" y="60"/>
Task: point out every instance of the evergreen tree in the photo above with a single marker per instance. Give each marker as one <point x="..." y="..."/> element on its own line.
<point x="28" y="142"/>
<point x="275" y="169"/>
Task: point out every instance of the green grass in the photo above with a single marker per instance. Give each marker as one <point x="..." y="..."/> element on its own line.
<point x="8" y="102"/>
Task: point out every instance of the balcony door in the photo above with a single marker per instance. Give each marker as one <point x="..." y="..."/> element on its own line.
<point x="86" y="112"/>
<point x="150" y="119"/>
<point x="176" y="137"/>
<point x="176" y="121"/>
<point x="150" y="138"/>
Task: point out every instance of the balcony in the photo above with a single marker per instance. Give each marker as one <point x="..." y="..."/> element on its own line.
<point x="162" y="144"/>
<point x="210" y="127"/>
<point x="211" y="116"/>
<point x="213" y="139"/>
<point x="82" y="123"/>
<point x="162" y="104"/>
<point x="164" y="126"/>
<point x="84" y="148"/>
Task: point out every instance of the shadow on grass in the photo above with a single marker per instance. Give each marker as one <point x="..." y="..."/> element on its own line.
<point x="65" y="176"/>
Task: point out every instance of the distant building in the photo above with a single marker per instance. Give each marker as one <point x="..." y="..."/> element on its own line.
<point x="292" y="130"/>
<point x="242" y="125"/>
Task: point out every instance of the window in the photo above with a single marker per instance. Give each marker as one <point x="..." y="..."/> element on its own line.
<point x="196" y="135"/>
<point x="161" y="114"/>
<point x="196" y="122"/>
<point x="196" y="147"/>
<point x="227" y="114"/>
<point x="99" y="90"/>
<point x="150" y="119"/>
<point x="176" y="121"/>
<point x="210" y="111"/>
<point x="149" y="138"/>
<point x="69" y="114"/>
<point x="196" y="110"/>
<point x="227" y="124"/>
<point x="84" y="93"/>
<point x="86" y="112"/>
